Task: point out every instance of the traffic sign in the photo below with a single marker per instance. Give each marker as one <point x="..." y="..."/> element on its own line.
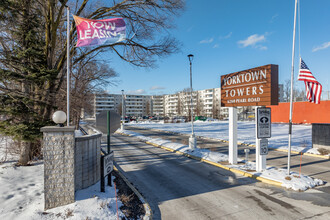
<point x="106" y="169"/>
<point x="263" y="122"/>
<point x="264" y="146"/>
<point x="102" y="119"/>
<point x="107" y="164"/>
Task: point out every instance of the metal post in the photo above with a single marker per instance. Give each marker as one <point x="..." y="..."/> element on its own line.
<point x="246" y="150"/>
<point x="108" y="143"/>
<point x="191" y="102"/>
<point x="291" y="93"/>
<point x="68" y="65"/>
<point x="192" y="139"/>
<point x="108" y="128"/>
<point x="122" y="110"/>
<point x="102" y="185"/>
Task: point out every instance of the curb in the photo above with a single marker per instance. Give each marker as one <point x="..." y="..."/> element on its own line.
<point x="242" y="144"/>
<point x="148" y="215"/>
<point x="261" y="179"/>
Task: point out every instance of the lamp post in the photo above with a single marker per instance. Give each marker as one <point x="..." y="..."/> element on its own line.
<point x="192" y="139"/>
<point x="122" y="110"/>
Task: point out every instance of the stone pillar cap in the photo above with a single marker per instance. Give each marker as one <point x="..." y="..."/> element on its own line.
<point x="57" y="129"/>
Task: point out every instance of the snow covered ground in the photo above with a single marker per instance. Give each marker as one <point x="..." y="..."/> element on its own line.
<point x="293" y="181"/>
<point x="301" y="134"/>
<point x="22" y="197"/>
<point x="21" y="191"/>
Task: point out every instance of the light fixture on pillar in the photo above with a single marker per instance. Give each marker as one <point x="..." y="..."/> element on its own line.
<point x="59" y="117"/>
<point x="192" y="139"/>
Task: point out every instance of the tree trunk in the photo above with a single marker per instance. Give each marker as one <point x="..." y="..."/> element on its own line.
<point x="25" y="153"/>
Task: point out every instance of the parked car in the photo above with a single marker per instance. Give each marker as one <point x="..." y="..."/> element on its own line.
<point x="200" y="118"/>
<point x="126" y="119"/>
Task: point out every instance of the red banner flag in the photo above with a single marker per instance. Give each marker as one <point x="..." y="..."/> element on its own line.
<point x="98" y="32"/>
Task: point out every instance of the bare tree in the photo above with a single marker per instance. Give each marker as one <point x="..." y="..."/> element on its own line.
<point x="287" y="90"/>
<point x="88" y="78"/>
<point x="33" y="54"/>
<point x="148" y="108"/>
<point x="298" y="94"/>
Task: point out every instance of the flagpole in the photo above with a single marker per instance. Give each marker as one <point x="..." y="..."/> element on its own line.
<point x="291" y="93"/>
<point x="68" y="65"/>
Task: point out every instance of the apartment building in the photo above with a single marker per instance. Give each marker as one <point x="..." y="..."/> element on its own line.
<point x="106" y="102"/>
<point x="134" y="105"/>
<point x="137" y="105"/>
<point x="157" y="105"/>
<point x="205" y="103"/>
<point x="210" y="102"/>
<point x="171" y="103"/>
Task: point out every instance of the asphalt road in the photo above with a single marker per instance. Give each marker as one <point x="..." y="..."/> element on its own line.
<point x="311" y="166"/>
<point x="177" y="187"/>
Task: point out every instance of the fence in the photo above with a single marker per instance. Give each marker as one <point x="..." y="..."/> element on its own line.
<point x="87" y="160"/>
<point x="303" y="112"/>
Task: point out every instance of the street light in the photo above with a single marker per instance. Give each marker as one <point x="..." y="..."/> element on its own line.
<point x="122" y="110"/>
<point x="192" y="139"/>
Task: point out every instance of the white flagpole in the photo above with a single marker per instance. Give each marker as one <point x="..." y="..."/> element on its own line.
<point x="291" y="94"/>
<point x="68" y="65"/>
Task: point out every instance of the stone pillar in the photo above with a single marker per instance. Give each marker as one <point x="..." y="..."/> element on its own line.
<point x="59" y="169"/>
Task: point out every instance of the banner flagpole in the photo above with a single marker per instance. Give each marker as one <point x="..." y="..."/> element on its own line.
<point x="68" y="65"/>
<point x="291" y="93"/>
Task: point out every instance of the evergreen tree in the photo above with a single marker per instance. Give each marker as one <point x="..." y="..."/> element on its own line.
<point x="23" y="74"/>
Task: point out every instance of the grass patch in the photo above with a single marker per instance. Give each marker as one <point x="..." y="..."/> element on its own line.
<point x="288" y="178"/>
<point x="323" y="151"/>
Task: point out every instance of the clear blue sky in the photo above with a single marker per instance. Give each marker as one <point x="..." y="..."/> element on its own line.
<point x="227" y="36"/>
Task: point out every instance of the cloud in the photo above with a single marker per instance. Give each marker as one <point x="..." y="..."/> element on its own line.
<point x="226" y="37"/>
<point x="216" y="45"/>
<point x="136" y="92"/>
<point x="252" y="41"/>
<point x="273" y="18"/>
<point x="157" y="88"/>
<point x="260" y="47"/>
<point x="207" y="41"/>
<point x="322" y="47"/>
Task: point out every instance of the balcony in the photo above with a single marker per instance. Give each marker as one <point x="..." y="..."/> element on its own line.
<point x="104" y="105"/>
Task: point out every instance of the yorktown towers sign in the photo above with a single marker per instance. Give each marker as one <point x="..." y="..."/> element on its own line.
<point x="252" y="87"/>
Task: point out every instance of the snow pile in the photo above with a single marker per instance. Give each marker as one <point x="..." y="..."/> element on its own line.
<point x="22" y="197"/>
<point x="78" y="133"/>
<point x="301" y="134"/>
<point x="293" y="181"/>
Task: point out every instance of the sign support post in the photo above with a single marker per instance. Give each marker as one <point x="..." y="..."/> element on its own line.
<point x="259" y="158"/>
<point x="232" y="135"/>
<point x="263" y="131"/>
<point x="253" y="87"/>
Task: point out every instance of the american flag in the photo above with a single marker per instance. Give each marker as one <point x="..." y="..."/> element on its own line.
<point x="313" y="87"/>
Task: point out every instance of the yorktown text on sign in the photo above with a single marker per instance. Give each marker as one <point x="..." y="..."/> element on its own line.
<point x="250" y="87"/>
